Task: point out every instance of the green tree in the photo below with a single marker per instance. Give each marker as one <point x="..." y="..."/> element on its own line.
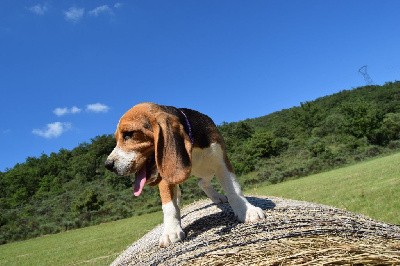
<point x="308" y="116"/>
<point x="362" y="118"/>
<point x="265" y="144"/>
<point x="88" y="201"/>
<point x="391" y="126"/>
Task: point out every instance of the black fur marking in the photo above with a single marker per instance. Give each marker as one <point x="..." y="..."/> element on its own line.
<point x="204" y="131"/>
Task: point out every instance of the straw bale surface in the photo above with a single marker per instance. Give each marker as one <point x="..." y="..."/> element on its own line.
<point x="294" y="233"/>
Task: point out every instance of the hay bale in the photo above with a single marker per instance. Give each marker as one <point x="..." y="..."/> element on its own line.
<point x="293" y="233"/>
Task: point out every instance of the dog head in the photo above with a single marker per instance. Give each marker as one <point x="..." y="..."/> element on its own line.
<point x="151" y="143"/>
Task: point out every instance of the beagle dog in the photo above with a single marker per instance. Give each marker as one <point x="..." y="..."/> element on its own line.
<point x="164" y="145"/>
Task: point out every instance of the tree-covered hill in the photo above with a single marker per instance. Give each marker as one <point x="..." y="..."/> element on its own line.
<point x="331" y="131"/>
<point x="72" y="189"/>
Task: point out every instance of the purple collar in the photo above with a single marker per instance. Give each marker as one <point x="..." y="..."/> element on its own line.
<point x="189" y="127"/>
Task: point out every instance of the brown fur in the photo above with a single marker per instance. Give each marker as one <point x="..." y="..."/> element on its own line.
<point x="173" y="149"/>
<point x="166" y="191"/>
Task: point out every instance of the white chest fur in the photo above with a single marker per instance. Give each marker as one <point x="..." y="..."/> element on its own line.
<point x="205" y="162"/>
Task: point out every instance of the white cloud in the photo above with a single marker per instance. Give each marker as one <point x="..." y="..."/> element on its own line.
<point x="118" y="5"/>
<point x="60" y="111"/>
<point x="91" y="108"/>
<point x="39" y="9"/>
<point x="97" y="108"/>
<point x="75" y="110"/>
<point x="52" y="130"/>
<point x="74" y="14"/>
<point x="63" y="111"/>
<point x="105" y="9"/>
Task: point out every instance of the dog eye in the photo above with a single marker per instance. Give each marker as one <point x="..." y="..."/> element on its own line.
<point x="128" y="135"/>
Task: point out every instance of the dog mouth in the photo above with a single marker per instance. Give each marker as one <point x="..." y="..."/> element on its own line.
<point x="145" y="175"/>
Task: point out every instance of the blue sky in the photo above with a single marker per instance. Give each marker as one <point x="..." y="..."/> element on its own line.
<point x="70" y="69"/>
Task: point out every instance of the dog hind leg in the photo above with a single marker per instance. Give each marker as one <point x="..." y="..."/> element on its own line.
<point x="206" y="186"/>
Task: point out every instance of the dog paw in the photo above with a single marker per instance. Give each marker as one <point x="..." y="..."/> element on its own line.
<point x="254" y="214"/>
<point x="249" y="214"/>
<point x="171" y="236"/>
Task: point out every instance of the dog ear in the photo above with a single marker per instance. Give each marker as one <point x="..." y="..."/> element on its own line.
<point x="173" y="149"/>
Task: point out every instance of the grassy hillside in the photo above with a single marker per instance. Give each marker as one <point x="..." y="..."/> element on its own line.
<point x="371" y="188"/>
<point x="95" y="245"/>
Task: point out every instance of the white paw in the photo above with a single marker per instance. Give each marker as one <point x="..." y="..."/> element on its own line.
<point x="250" y="214"/>
<point x="171" y="236"/>
<point x="253" y="214"/>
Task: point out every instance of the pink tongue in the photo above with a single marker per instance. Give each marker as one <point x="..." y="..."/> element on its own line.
<point x="140" y="180"/>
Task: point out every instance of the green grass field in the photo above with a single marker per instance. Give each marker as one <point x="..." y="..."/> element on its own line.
<point x="371" y="188"/>
<point x="95" y="245"/>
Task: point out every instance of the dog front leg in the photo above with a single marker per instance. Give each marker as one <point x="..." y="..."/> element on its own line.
<point x="170" y="198"/>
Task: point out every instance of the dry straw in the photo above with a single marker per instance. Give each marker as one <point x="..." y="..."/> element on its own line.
<point x="294" y="233"/>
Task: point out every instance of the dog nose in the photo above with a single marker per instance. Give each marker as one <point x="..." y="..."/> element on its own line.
<point x="109" y="164"/>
